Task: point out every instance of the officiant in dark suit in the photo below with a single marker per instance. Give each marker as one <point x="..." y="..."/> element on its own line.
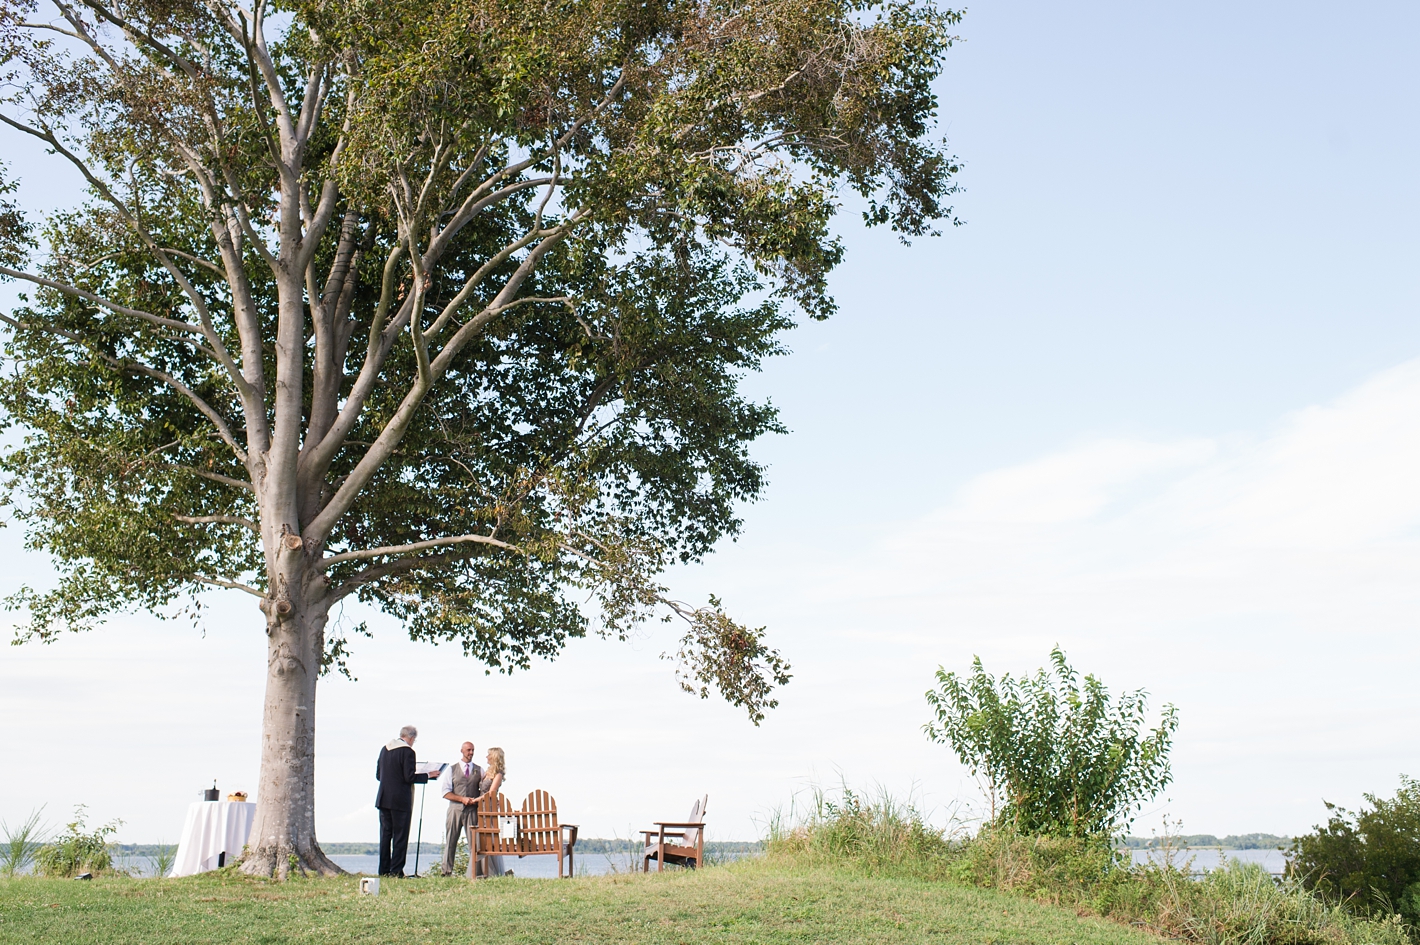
<point x="395" y="799"/>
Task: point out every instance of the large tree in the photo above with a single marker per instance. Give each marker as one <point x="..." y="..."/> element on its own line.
<point x="440" y="304"/>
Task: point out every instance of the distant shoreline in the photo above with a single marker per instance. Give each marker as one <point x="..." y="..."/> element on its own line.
<point x="1245" y="841"/>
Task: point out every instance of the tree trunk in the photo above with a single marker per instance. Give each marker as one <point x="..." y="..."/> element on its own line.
<point x="283" y="837"/>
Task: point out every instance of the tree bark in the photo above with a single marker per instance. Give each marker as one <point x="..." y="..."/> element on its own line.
<point x="283" y="836"/>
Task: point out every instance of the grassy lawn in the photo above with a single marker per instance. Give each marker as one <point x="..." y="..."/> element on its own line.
<point x="760" y="902"/>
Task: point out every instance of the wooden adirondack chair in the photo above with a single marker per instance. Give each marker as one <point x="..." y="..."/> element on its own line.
<point x="680" y="842"/>
<point x="538" y="831"/>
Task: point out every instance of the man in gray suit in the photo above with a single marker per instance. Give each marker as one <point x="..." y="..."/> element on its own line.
<point x="459" y="785"/>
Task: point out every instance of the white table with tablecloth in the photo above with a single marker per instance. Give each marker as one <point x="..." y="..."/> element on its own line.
<point x="214" y="831"/>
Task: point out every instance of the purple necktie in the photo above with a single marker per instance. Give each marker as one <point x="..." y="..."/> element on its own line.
<point x="467" y="769"/>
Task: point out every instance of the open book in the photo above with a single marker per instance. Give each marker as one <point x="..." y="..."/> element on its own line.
<point x="430" y="768"/>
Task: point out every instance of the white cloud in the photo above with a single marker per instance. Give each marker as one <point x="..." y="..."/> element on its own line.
<point x="1071" y="486"/>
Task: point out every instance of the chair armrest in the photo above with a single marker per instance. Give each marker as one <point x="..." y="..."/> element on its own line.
<point x="678" y="823"/>
<point x="572" y="841"/>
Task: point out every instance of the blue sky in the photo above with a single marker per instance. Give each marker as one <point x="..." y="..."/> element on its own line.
<point x="1157" y="401"/>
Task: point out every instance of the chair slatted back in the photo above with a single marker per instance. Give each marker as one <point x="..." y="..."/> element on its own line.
<point x="488" y="813"/>
<point x="697" y="816"/>
<point x="538" y="825"/>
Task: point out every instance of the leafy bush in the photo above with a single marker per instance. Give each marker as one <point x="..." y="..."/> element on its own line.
<point x="77" y="851"/>
<point x="1369" y="860"/>
<point x="1059" y="757"/>
<point x="20" y="844"/>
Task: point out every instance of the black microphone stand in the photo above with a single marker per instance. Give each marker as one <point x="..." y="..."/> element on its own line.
<point x="419" y="837"/>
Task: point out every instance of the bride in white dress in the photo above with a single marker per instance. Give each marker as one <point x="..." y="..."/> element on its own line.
<point x="488" y="788"/>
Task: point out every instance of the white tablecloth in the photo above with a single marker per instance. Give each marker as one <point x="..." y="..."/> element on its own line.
<point x="212" y="828"/>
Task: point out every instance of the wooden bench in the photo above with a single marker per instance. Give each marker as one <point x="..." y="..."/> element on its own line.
<point x="683" y="844"/>
<point x="539" y="833"/>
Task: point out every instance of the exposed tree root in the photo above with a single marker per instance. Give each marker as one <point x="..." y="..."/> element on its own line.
<point x="282" y="860"/>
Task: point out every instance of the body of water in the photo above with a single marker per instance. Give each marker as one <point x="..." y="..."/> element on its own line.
<point x="530" y="867"/>
<point x="1204" y="859"/>
<point x="1199" y="860"/>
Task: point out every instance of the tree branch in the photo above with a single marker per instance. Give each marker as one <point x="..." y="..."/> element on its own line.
<point x="219" y="582"/>
<point x="327" y="563"/>
<point x="219" y="520"/>
<point x="386" y="568"/>
<point x="217" y="477"/>
<point x="67" y="289"/>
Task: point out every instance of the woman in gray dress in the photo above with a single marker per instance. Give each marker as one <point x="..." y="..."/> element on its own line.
<point x="488" y="788"/>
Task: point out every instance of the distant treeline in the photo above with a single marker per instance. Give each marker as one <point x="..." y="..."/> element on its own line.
<point x="712" y="847"/>
<point x="1243" y="841"/>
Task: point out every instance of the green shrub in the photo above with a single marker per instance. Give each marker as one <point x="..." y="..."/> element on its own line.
<point x="77" y="851"/>
<point x="1368" y="860"/>
<point x="1058" y="757"/>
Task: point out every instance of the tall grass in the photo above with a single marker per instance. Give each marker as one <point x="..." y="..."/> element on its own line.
<point x="1238" y="904"/>
<point x="878" y="833"/>
<point x="21" y="843"/>
<point x="162" y="858"/>
<point x="624" y="857"/>
<point x="1243" y="904"/>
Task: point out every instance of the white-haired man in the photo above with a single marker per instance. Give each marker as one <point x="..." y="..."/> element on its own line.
<point x="395" y="799"/>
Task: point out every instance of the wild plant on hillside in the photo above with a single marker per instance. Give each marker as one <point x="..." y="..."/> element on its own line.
<point x="1237" y="904"/>
<point x="162" y="858"/>
<point x="1057" y="754"/>
<point x="1241" y="904"/>
<point x="77" y="850"/>
<point x="1367" y="860"/>
<point x="878" y="834"/>
<point x="21" y="843"/>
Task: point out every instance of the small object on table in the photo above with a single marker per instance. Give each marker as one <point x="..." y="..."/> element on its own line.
<point x="237" y="797"/>
<point x="211" y="794"/>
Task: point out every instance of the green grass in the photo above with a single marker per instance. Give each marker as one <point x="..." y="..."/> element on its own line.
<point x="763" y="901"/>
